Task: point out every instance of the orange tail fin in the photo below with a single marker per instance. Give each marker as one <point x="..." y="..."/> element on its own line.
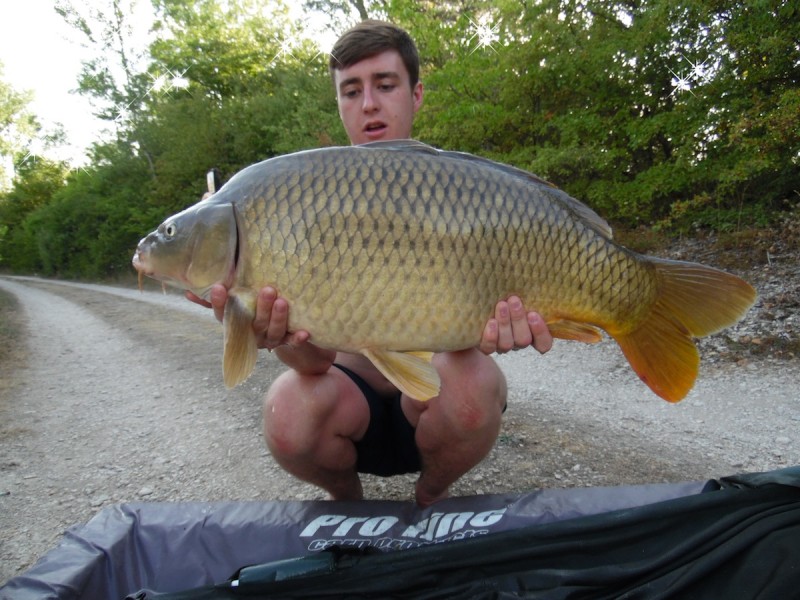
<point x="693" y="301"/>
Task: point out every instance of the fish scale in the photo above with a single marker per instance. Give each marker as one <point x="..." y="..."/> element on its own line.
<point x="471" y="250"/>
<point x="392" y="249"/>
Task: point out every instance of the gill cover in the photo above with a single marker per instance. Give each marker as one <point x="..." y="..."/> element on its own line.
<point x="195" y="248"/>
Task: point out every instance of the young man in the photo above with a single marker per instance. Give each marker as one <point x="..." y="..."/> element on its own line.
<point x="332" y="415"/>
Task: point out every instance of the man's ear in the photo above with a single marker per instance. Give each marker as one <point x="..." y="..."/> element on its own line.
<point x="417" y="93"/>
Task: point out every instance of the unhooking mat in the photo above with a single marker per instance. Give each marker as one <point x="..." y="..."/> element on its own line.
<point x="738" y="537"/>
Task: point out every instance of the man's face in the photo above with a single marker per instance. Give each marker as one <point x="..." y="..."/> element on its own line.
<point x="376" y="101"/>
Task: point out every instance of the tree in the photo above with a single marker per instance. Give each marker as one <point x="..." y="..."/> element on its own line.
<point x="675" y="113"/>
<point x="17" y="128"/>
<point x="114" y="78"/>
<point x="634" y="107"/>
<point x="34" y="186"/>
<point x="343" y="10"/>
<point x="226" y="91"/>
<point x="254" y="88"/>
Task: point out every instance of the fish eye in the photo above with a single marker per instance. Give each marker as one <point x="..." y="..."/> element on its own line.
<point x="170" y="230"/>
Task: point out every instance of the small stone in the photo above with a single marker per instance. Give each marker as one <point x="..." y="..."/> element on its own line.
<point x="99" y="500"/>
<point x="145" y="491"/>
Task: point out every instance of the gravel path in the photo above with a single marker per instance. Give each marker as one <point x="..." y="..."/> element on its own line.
<point x="117" y="396"/>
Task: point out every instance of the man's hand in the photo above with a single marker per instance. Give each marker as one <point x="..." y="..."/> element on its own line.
<point x="218" y="295"/>
<point x="271" y="320"/>
<point x="512" y="329"/>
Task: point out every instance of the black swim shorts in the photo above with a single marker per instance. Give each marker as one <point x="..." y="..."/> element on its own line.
<point x="388" y="446"/>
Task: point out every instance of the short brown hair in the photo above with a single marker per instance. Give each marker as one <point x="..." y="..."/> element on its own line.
<point x="371" y="37"/>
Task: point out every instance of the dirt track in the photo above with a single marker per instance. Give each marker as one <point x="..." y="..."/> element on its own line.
<point x="117" y="396"/>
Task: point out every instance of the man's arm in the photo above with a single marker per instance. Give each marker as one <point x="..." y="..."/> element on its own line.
<point x="270" y="326"/>
<point x="293" y="349"/>
<point x="512" y="328"/>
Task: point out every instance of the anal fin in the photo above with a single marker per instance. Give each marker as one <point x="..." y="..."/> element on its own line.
<point x="411" y="372"/>
<point x="572" y="330"/>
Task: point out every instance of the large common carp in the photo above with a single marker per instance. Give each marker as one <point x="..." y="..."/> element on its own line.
<point x="396" y="249"/>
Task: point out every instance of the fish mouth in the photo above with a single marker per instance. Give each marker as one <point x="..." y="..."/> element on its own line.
<point x="139" y="261"/>
<point x="138" y="264"/>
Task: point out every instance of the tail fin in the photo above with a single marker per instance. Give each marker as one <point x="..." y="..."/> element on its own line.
<point x="693" y="301"/>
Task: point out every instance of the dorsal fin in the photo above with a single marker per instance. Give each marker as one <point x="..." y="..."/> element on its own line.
<point x="497" y="165"/>
<point x="578" y="208"/>
<point x="412" y="145"/>
<point x="587" y="215"/>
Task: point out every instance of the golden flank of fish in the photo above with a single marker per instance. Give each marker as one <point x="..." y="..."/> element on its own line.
<point x="396" y="250"/>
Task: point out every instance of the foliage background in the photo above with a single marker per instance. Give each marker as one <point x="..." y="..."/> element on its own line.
<point x="676" y="115"/>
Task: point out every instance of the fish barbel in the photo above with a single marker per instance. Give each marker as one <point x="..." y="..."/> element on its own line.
<point x="396" y="250"/>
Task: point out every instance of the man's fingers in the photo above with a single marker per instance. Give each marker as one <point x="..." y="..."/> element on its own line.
<point x="264" y="301"/>
<point x="298" y="338"/>
<point x="488" y="343"/>
<point x="505" y="337"/>
<point x="520" y="329"/>
<point x="196" y="299"/>
<point x="278" y="323"/>
<point x="542" y="338"/>
<point x="271" y="318"/>
<point x="219" y="296"/>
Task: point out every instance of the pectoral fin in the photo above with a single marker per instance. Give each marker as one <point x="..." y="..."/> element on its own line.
<point x="240" y="349"/>
<point x="411" y="372"/>
<point x="572" y="330"/>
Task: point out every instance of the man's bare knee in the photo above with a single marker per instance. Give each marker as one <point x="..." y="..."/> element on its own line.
<point x="475" y="391"/>
<point x="304" y="414"/>
<point x="291" y="422"/>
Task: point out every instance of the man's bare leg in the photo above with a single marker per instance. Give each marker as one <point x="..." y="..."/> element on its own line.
<point x="458" y="428"/>
<point x="310" y="422"/>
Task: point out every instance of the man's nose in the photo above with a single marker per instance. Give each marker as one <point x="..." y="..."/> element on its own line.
<point x="370" y="103"/>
